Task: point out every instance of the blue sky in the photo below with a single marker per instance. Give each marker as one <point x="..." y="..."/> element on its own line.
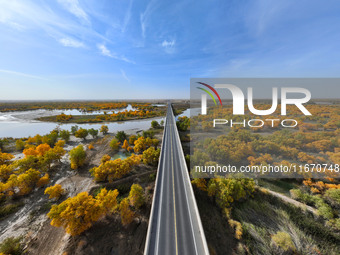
<point x="122" y="49"/>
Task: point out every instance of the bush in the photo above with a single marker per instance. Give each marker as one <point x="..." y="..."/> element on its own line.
<point x="74" y="129"/>
<point x="126" y="214"/>
<point x="77" y="214"/>
<point x="104" y="129"/>
<point x="149" y="134"/>
<point x="81" y="133"/>
<point x="284" y="241"/>
<point x="114" y="144"/>
<point x="150" y="156"/>
<point x="93" y="132"/>
<point x="77" y="157"/>
<point x="65" y="135"/>
<point x="9" y="209"/>
<point x="136" y="196"/>
<point x="121" y="136"/>
<point x="11" y="246"/>
<point x="333" y="196"/>
<point x="155" y="124"/>
<point x="19" y="145"/>
<point x="55" y="191"/>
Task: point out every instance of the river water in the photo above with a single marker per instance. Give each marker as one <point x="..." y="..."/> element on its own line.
<point x="21" y="124"/>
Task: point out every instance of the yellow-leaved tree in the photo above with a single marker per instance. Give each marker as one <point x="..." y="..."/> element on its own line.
<point x="55" y="191"/>
<point x="77" y="157"/>
<point x="126" y="214"/>
<point x="136" y="196"/>
<point x="77" y="214"/>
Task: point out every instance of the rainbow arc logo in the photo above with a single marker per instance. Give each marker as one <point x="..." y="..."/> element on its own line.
<point x="209" y="93"/>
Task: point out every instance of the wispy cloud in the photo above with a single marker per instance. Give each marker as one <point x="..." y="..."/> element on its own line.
<point x="69" y="42"/>
<point x="73" y="7"/>
<point x="23" y="74"/>
<point x="169" y="46"/>
<point x="124" y="75"/>
<point x="127" y="17"/>
<point x="145" y="16"/>
<point x="106" y="52"/>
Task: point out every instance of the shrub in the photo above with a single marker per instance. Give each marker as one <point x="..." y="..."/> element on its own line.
<point x="155" y="124"/>
<point x="65" y="135"/>
<point x="114" y="144"/>
<point x="77" y="157"/>
<point x="19" y="145"/>
<point x="74" y="129"/>
<point x="284" y="241"/>
<point x="237" y="227"/>
<point x="77" y="214"/>
<point x="121" y="136"/>
<point x="81" y="133"/>
<point x="93" y="132"/>
<point x="126" y="214"/>
<point x="11" y="246"/>
<point x="104" y="129"/>
<point x="55" y="191"/>
<point x="60" y="143"/>
<point x="333" y="196"/>
<point x="150" y="156"/>
<point x="136" y="196"/>
<point x="43" y="180"/>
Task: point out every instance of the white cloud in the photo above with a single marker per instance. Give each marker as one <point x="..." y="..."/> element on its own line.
<point x="169" y="46"/>
<point x="106" y="52"/>
<point x="127" y="17"/>
<point x="124" y="75"/>
<point x="145" y="16"/>
<point x="73" y="7"/>
<point x="22" y="74"/>
<point x="69" y="42"/>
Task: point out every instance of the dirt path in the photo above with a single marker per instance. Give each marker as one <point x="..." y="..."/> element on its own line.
<point x="292" y="201"/>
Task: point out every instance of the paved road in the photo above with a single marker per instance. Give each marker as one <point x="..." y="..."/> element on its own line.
<point x="175" y="226"/>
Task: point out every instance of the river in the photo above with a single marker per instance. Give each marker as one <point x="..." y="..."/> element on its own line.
<point x="21" y="124"/>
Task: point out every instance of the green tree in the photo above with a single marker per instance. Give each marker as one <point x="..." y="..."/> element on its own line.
<point x="155" y="124"/>
<point x="51" y="138"/>
<point x="11" y="246"/>
<point x="104" y="129"/>
<point x="93" y="132"/>
<point x="77" y="157"/>
<point x="19" y="145"/>
<point x="74" y="129"/>
<point x="81" y="133"/>
<point x="121" y="136"/>
<point x="65" y="135"/>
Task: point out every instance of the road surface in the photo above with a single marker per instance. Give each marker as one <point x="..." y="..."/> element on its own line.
<point x="174" y="226"/>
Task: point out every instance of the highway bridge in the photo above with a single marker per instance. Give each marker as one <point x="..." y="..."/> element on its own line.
<point x="175" y="225"/>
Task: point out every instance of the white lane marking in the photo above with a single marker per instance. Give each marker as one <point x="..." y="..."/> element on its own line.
<point x="161" y="196"/>
<point x="173" y="189"/>
<point x="186" y="196"/>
